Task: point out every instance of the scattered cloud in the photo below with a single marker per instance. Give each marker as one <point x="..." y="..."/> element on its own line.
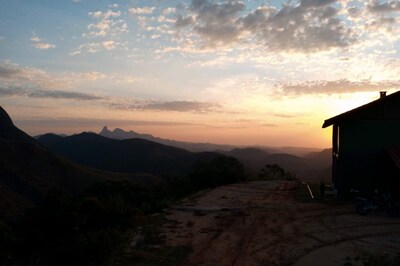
<point x="181" y="106"/>
<point x="8" y="71"/>
<point x="37" y="43"/>
<point x="54" y="94"/>
<point x="35" y="39"/>
<point x="168" y="106"/>
<point x="168" y="11"/>
<point x="376" y="6"/>
<point x="80" y="122"/>
<point x="109" y="45"/>
<point x="18" y="76"/>
<point x="308" y="27"/>
<point x="44" y="46"/>
<point x="337" y="86"/>
<point x="284" y="115"/>
<point x="105" y="33"/>
<point x="35" y="83"/>
<point x="141" y="10"/>
<point x="106" y="24"/>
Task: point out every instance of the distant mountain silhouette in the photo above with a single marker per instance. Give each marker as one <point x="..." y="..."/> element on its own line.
<point x="324" y="156"/>
<point x="27" y="170"/>
<point x="120" y="134"/>
<point x="312" y="167"/>
<point x="126" y="155"/>
<point x="253" y="154"/>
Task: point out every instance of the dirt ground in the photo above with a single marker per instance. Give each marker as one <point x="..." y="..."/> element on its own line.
<point x="260" y="223"/>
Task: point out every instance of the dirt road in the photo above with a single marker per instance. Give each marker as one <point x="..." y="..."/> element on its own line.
<point x="259" y="223"/>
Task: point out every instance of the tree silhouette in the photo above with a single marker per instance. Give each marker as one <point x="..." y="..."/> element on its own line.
<point x="275" y="172"/>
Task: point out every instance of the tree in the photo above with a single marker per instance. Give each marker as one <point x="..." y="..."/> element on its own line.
<point x="275" y="172"/>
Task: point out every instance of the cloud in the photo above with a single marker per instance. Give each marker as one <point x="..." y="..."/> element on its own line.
<point x="35" y="39"/>
<point x="14" y="75"/>
<point x="106" y="24"/>
<point x="168" y="106"/>
<point x="313" y="25"/>
<point x="7" y="71"/>
<point x="17" y="81"/>
<point x="105" y="33"/>
<point x="141" y="10"/>
<point x="44" y="46"/>
<point x="109" y="45"/>
<point x="37" y="43"/>
<point x="77" y="122"/>
<point x="168" y="11"/>
<point x="40" y="93"/>
<point x="63" y="95"/>
<point x="181" y="106"/>
<point x="184" y="22"/>
<point x="316" y="3"/>
<point x="337" y="86"/>
<point x="387" y="7"/>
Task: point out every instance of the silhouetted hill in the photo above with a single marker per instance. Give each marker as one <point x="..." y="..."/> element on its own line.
<point x="324" y="156"/>
<point x="313" y="167"/>
<point x="194" y="147"/>
<point x="253" y="154"/>
<point x="127" y="156"/>
<point x="9" y="132"/>
<point x="27" y="170"/>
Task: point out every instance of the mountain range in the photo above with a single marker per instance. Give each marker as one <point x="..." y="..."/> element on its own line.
<point x="120" y="134"/>
<point x="29" y="167"/>
<point x="126" y="156"/>
<point x="28" y="170"/>
<point x="140" y="155"/>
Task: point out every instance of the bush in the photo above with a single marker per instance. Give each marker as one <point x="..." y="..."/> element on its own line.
<point x="275" y="172"/>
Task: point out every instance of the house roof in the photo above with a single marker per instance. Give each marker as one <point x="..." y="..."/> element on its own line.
<point x="359" y="111"/>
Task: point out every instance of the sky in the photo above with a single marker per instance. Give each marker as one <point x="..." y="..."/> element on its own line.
<point x="229" y="72"/>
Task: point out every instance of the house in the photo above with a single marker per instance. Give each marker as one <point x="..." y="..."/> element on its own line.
<point x="366" y="147"/>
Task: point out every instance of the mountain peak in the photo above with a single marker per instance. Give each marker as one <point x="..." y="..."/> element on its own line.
<point x="119" y="130"/>
<point x="105" y="130"/>
<point x="11" y="132"/>
<point x="5" y="119"/>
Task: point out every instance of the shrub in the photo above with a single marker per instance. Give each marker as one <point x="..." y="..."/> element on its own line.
<point x="275" y="172"/>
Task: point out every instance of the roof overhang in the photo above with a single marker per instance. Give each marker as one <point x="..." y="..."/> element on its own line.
<point x="359" y="110"/>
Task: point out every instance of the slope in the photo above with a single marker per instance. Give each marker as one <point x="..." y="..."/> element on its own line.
<point x="28" y="170"/>
<point x="126" y="156"/>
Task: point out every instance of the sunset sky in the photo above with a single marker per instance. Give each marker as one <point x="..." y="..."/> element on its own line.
<point x="232" y="72"/>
